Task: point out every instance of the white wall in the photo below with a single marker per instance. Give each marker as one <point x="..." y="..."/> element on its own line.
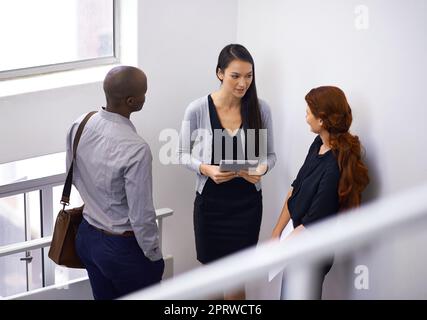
<point x="298" y="45"/>
<point x="179" y="42"/>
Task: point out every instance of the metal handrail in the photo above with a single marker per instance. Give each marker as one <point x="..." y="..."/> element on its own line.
<point x="31" y="185"/>
<point x="45" y="241"/>
<point x="54" y="177"/>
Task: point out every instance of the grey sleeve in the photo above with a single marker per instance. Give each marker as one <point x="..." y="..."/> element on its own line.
<point x="139" y="194"/>
<point x="188" y="127"/>
<point x="268" y="125"/>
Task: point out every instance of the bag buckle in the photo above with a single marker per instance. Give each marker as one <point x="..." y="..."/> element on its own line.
<point x="64" y="203"/>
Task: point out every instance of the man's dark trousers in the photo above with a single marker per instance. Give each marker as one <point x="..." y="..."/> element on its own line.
<point x="116" y="265"/>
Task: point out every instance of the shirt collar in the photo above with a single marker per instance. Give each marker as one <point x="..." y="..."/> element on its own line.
<point x="115" y="117"/>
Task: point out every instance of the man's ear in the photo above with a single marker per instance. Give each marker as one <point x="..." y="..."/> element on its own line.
<point x="130" y="101"/>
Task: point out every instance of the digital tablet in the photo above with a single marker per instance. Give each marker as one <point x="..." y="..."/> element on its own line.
<point x="237" y="165"/>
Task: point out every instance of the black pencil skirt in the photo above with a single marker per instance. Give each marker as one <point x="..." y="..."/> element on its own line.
<point x="226" y="219"/>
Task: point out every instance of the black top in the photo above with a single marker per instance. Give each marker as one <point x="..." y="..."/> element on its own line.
<point x="220" y="133"/>
<point x="315" y="193"/>
<point x="237" y="187"/>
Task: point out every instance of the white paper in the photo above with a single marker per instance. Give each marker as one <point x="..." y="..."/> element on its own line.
<point x="287" y="231"/>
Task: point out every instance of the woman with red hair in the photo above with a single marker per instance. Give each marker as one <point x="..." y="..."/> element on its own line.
<point x="333" y="175"/>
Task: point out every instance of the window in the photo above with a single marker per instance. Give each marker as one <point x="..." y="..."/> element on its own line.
<point x="50" y="35"/>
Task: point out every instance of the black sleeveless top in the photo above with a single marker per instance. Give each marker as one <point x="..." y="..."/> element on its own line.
<point x="237" y="187"/>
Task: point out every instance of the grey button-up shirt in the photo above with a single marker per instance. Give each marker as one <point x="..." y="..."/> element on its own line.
<point x="113" y="175"/>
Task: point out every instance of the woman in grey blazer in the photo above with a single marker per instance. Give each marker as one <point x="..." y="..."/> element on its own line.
<point x="228" y="124"/>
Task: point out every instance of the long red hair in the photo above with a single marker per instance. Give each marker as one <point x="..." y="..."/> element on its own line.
<point x="330" y="104"/>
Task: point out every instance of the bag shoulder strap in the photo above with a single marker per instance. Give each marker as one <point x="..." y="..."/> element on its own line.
<point x="65" y="199"/>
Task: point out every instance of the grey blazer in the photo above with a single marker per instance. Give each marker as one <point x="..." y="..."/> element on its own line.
<point x="195" y="140"/>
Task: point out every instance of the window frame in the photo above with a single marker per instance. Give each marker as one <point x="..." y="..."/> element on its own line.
<point x="73" y="65"/>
